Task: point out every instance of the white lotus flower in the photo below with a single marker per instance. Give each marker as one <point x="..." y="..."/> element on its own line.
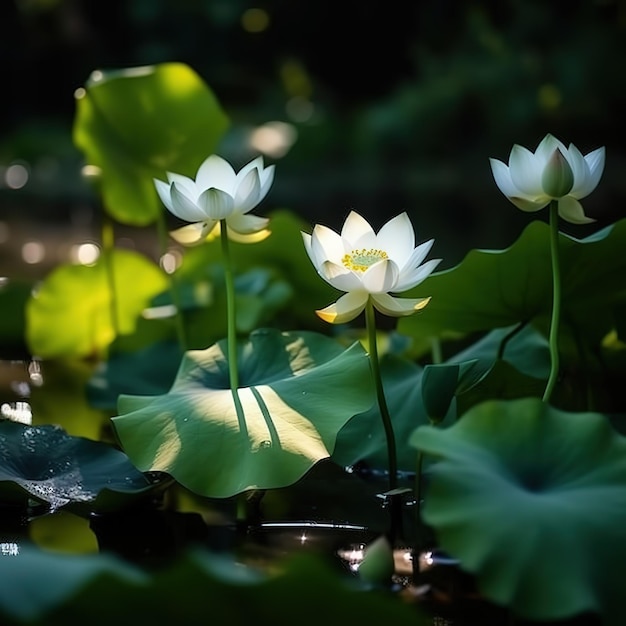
<point x="368" y="266"/>
<point x="218" y="193"/>
<point x="552" y="172"/>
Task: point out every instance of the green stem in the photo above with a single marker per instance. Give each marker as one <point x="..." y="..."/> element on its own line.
<point x="370" y="322"/>
<point x="108" y="249"/>
<point x="233" y="372"/>
<point x="435" y="350"/>
<point x="556" y="300"/>
<point x="173" y="284"/>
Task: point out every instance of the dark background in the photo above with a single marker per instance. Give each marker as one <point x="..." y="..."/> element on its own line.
<point x="407" y="102"/>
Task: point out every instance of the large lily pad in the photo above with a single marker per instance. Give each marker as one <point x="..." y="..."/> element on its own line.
<point x="48" y="465"/>
<point x="136" y="124"/>
<point x="71" y="312"/>
<point x="532" y="500"/>
<point x="497" y="288"/>
<point x="296" y="391"/>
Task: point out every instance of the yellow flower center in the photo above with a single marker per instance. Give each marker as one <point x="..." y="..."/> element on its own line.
<point x="360" y="260"/>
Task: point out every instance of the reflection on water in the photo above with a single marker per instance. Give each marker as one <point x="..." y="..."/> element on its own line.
<point x="9" y="548"/>
<point x="17" y="378"/>
<point x="353" y="555"/>
<point x="17" y="412"/>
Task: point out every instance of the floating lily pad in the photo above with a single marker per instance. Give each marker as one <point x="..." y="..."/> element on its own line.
<point x="296" y="392"/>
<point x="48" y="465"/>
<point x="135" y="124"/>
<point x="532" y="500"/>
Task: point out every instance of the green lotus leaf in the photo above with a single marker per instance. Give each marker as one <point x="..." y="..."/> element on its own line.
<point x="516" y="283"/>
<point x="71" y="313"/>
<point x="523" y="347"/>
<point x="47" y="464"/>
<point x="532" y="501"/>
<point x="502" y="381"/>
<point x="296" y="391"/>
<point x="442" y="382"/>
<point x="136" y="124"/>
<point x="512" y="362"/>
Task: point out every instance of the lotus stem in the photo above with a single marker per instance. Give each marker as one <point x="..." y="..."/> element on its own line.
<point x="435" y="350"/>
<point x="173" y="285"/>
<point x="370" y="322"/>
<point x="556" y="301"/>
<point x="392" y="461"/>
<point x="108" y="248"/>
<point x="233" y="372"/>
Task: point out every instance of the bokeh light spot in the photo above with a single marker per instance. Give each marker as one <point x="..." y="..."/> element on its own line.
<point x="85" y="253"/>
<point x="273" y="138"/>
<point x="16" y="176"/>
<point x="170" y="261"/>
<point x="549" y="97"/>
<point x="33" y="252"/>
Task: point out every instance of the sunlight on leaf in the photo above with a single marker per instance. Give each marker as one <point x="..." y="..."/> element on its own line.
<point x="136" y="124"/>
<point x="70" y="314"/>
<point x="297" y="390"/>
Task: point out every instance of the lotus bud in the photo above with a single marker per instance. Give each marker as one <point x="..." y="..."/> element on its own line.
<point x="557" y="178"/>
